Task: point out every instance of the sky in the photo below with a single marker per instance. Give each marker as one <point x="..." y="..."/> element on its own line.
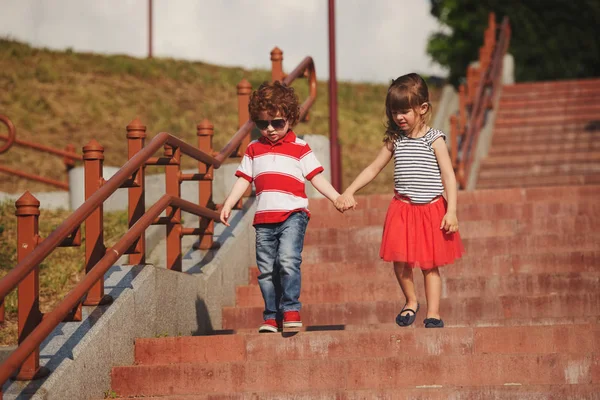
<point x="376" y="40"/>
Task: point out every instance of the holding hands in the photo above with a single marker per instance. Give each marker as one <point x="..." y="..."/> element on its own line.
<point x="345" y="202"/>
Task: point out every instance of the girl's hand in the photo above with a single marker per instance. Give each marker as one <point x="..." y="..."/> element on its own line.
<point x="450" y="223"/>
<point x="225" y="213"/>
<point x="345" y="202"/>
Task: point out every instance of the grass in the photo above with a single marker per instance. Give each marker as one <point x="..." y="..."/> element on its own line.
<point x="59" y="98"/>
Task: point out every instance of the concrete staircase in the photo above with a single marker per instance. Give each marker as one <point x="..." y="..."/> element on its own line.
<point x="546" y="133"/>
<point x="522" y="311"/>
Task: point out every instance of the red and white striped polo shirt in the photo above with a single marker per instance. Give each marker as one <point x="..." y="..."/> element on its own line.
<point x="279" y="171"/>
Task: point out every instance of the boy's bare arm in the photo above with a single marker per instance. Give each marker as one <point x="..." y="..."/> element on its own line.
<point x="324" y="187"/>
<point x="237" y="191"/>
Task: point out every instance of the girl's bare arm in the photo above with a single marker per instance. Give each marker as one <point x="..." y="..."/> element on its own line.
<point x="450" y="221"/>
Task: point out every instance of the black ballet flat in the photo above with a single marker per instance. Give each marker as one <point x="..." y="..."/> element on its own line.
<point x="433" y="323"/>
<point x="406" y="320"/>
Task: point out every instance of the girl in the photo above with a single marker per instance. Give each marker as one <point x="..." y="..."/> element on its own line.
<point x="421" y="228"/>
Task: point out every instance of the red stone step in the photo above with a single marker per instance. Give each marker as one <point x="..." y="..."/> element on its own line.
<point x="537" y="159"/>
<point x="491" y="196"/>
<point x="355" y="374"/>
<point x="541" y="121"/>
<point x="469" y="266"/>
<point x="544" y="148"/>
<point x="386" y="287"/>
<point x="530" y="137"/>
<point x="516" y="132"/>
<point x="505" y="392"/>
<point x="581" y="107"/>
<point x="389" y="341"/>
<point x="530" y="181"/>
<point x="463" y="311"/>
<point x="568" y="99"/>
<point x="369" y="250"/>
<point x="468" y="229"/>
<point x="374" y="215"/>
<point x="569" y="86"/>
<point x="518" y="171"/>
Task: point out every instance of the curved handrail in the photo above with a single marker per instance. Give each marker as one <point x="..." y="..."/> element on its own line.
<point x="307" y="65"/>
<point x="12" y="133"/>
<point x="52" y="319"/>
<point x="483" y="98"/>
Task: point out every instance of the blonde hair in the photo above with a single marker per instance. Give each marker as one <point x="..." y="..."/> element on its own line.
<point x="406" y="92"/>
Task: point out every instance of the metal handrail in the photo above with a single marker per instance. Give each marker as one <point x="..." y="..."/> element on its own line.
<point x="69" y="156"/>
<point x="12" y="133"/>
<point x="52" y="319"/>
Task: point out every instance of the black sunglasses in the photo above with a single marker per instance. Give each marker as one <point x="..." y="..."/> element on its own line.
<point x="263" y="124"/>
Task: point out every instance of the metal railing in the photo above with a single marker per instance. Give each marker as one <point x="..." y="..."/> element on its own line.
<point x="477" y="97"/>
<point x="34" y="326"/>
<point x="69" y="155"/>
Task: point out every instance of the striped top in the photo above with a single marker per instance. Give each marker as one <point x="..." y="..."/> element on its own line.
<point x="416" y="171"/>
<point x="279" y="171"/>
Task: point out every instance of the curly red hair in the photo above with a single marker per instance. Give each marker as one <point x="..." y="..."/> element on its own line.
<point x="275" y="98"/>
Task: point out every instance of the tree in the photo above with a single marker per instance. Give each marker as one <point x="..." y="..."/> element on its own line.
<point x="550" y="39"/>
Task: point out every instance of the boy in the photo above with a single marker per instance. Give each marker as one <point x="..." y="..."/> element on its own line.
<point x="278" y="163"/>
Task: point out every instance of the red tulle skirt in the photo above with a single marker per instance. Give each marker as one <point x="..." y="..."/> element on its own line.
<point x="412" y="234"/>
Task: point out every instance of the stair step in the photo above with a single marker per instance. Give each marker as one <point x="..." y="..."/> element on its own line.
<point x="436" y="392"/>
<point x="567" y="129"/>
<point x="518" y="171"/>
<point x="539" y="159"/>
<point x="388" y="341"/>
<point x="515" y="103"/>
<point x="529" y="136"/>
<point x="581" y="107"/>
<point x="467" y="311"/>
<point x="386" y="287"/>
<point x="355" y="374"/>
<point x="543" y="148"/>
<point x="373" y="214"/>
<point x="549" y="180"/>
<point x="369" y="250"/>
<point x="556" y="87"/>
<point x="541" y="121"/>
<point x="489" y="197"/>
<point x="469" y="266"/>
<point x="468" y="229"/>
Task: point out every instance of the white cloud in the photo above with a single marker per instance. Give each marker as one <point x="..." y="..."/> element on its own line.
<point x="376" y="39"/>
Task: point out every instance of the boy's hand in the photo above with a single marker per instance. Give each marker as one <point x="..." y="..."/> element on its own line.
<point x="345" y="202"/>
<point x="225" y="213"/>
<point x="449" y="223"/>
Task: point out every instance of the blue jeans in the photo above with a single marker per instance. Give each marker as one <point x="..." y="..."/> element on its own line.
<point x="279" y="255"/>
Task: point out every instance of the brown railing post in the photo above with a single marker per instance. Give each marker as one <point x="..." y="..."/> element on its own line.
<point x="205" y="132"/>
<point x="173" y="188"/>
<point x="93" y="160"/>
<point x="243" y="94"/>
<point x="244" y="88"/>
<point x="29" y="314"/>
<point x="136" y="135"/>
<point x="276" y="65"/>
